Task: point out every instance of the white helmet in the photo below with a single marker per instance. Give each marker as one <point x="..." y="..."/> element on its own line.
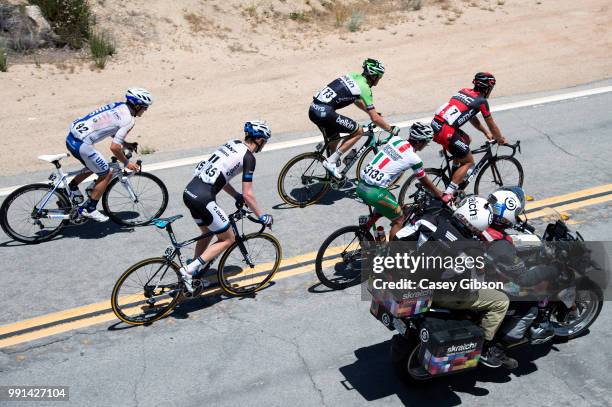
<point x="474" y="213"/>
<point x="507" y="204"/>
<point x="139" y="97"/>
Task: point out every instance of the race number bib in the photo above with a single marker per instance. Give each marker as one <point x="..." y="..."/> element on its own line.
<point x="326" y="95"/>
<point x="450" y="113"/>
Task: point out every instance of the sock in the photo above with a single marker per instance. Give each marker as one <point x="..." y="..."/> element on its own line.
<point x="334" y="157"/>
<point x="451" y="188"/>
<point x="195" y="265"/>
<point x="91" y="205"/>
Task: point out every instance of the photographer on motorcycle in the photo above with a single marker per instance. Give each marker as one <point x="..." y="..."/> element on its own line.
<point x="472" y="217"/>
<point x="507" y="204"/>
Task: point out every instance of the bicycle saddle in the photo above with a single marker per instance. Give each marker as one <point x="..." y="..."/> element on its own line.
<point x="51" y="158"/>
<point x="163" y="222"/>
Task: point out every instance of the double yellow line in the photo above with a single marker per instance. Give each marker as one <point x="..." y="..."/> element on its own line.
<point x="92" y="314"/>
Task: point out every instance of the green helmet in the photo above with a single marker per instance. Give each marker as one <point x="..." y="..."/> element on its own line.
<point x="373" y="67"/>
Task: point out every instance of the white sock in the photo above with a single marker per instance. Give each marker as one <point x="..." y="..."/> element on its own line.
<point x="195" y="265"/>
<point x="335" y="157"/>
<point x="451" y="188"/>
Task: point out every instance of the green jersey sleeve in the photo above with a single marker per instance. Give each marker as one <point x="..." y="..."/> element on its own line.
<point x="364" y="89"/>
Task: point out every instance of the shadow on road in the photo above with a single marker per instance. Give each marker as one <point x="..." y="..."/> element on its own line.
<point x="89" y="230"/>
<point x="372" y="375"/>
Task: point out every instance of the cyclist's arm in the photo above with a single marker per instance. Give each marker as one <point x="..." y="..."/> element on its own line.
<point x="374" y="115"/>
<point x="231" y="190"/>
<point x="494" y="130"/>
<point x="249" y="197"/>
<point x="476" y="123"/>
<point x="413" y="161"/>
<point x="430" y="186"/>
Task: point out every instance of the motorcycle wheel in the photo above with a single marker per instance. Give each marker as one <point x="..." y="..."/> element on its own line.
<point x="589" y="302"/>
<point x="405" y="359"/>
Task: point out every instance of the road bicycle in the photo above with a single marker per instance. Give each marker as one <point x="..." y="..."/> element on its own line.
<point x="303" y="180"/>
<point x="37" y="212"/>
<point x="490" y="173"/>
<point x="152" y="288"/>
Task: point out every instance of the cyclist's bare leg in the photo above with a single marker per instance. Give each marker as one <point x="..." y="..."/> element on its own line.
<point x="464" y="165"/>
<point x="80" y="177"/>
<point x="396" y="226"/>
<point x="202" y="244"/>
<point x="225" y="240"/>
<point x="101" y="185"/>
<point x="347" y="143"/>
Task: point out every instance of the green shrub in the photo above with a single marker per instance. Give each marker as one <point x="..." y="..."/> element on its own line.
<point x="355" y="22"/>
<point x="102" y="46"/>
<point x="70" y="19"/>
<point x="3" y="60"/>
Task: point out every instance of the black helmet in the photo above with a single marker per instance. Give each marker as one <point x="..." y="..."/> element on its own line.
<point x="484" y="81"/>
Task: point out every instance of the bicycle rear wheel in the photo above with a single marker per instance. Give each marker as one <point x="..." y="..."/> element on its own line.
<point x="237" y="277"/>
<point x="24" y="214"/>
<point x="500" y="171"/>
<point x="437" y="177"/>
<point x="303" y="180"/>
<point x="147" y="291"/>
<point x="149" y="199"/>
<point x="338" y="262"/>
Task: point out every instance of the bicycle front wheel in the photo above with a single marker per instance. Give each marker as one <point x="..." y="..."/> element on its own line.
<point x="339" y="260"/>
<point x="500" y="171"/>
<point x="147" y="291"/>
<point x="34" y="213"/>
<point x="303" y="180"/>
<point x="242" y="273"/>
<point x="437" y="177"/>
<point x="135" y="201"/>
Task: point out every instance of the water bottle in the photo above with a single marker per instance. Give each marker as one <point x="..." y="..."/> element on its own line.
<point x="350" y="156"/>
<point x="380" y="234"/>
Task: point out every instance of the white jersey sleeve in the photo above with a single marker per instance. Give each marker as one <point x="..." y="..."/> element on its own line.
<point x="113" y="120"/>
<point x="392" y="160"/>
<point x="229" y="160"/>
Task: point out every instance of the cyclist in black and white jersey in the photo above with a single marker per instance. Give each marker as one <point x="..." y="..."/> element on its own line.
<point x="212" y="176"/>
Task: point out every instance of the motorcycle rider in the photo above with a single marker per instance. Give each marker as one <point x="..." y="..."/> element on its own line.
<point x="507" y="204"/>
<point x="474" y="216"/>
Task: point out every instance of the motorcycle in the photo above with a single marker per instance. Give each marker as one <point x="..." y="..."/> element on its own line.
<point x="433" y="341"/>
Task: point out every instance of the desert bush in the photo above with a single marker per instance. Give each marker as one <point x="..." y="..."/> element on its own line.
<point x="71" y="19"/>
<point x="355" y="22"/>
<point x="3" y="60"/>
<point x="102" y="46"/>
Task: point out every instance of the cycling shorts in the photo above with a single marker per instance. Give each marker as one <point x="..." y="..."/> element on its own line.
<point x="454" y="140"/>
<point x="87" y="155"/>
<point x="330" y="122"/>
<point x="200" y="200"/>
<point x="381" y="199"/>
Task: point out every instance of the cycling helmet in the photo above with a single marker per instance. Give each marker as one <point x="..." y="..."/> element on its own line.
<point x="507" y="204"/>
<point x="420" y="132"/>
<point x="474" y="213"/>
<point x="139" y="97"/>
<point x="484" y="81"/>
<point x="373" y="67"/>
<point x="257" y="129"/>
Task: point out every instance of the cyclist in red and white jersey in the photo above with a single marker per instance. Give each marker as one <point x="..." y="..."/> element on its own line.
<point x="462" y="108"/>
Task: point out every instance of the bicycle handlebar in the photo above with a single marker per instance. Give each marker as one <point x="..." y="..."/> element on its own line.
<point x="489" y="143"/>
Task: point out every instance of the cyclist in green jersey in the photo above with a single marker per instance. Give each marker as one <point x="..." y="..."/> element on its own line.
<point x="348" y="89"/>
<point x="392" y="160"/>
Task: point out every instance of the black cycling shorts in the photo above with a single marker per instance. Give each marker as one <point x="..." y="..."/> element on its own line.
<point x="329" y="122"/>
<point x="459" y="144"/>
<point x="199" y="198"/>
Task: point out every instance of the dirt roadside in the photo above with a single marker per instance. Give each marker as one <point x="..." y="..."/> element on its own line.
<point x="204" y="90"/>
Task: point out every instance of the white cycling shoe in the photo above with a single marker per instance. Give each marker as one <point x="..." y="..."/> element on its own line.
<point x="333" y="169"/>
<point x="187" y="279"/>
<point x="94" y="215"/>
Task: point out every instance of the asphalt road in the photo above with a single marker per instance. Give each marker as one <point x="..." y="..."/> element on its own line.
<point x="294" y="343"/>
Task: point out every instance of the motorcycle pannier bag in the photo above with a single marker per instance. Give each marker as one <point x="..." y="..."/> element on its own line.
<point x="399" y="303"/>
<point x="449" y="346"/>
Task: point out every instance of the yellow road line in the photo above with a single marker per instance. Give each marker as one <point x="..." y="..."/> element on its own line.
<point x="293" y="261"/>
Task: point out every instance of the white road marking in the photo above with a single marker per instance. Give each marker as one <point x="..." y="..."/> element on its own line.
<point x="315" y="139"/>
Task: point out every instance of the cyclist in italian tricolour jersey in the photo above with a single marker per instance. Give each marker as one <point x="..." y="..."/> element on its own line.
<point x="351" y="88"/>
<point x="393" y="159"/>
<point x="113" y="120"/>
<point x="212" y="176"/>
<point x="463" y="107"/>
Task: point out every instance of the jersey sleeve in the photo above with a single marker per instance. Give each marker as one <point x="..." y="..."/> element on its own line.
<point x="484" y="108"/>
<point x="126" y="123"/>
<point x="248" y="167"/>
<point x="410" y="159"/>
<point x="365" y="93"/>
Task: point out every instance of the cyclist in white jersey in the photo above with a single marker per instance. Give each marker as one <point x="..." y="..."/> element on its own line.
<point x="392" y="160"/>
<point x="212" y="176"/>
<point x="113" y="120"/>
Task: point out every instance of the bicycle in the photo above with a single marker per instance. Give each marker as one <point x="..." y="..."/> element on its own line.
<point x="303" y="180"/>
<point x="37" y="212"/>
<point x="157" y="284"/>
<point x="504" y="170"/>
